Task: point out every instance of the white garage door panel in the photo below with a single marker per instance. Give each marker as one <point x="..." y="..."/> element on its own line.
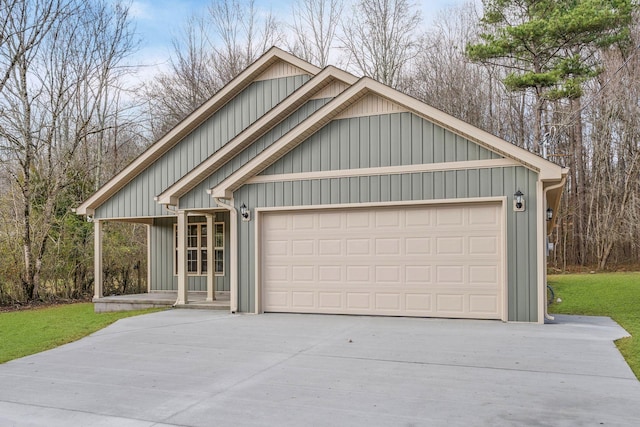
<point x="443" y="261"/>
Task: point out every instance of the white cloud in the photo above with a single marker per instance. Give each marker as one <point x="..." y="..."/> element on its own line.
<point x="140" y="10"/>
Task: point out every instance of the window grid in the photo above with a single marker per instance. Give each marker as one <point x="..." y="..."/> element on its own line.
<point x="197" y="249"/>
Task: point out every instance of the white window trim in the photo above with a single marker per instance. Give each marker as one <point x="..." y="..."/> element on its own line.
<point x="199" y="249"/>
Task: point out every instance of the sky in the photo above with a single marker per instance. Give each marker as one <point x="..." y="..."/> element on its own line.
<point x="158" y="21"/>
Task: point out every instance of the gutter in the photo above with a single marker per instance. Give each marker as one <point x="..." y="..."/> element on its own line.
<point x="174" y="210"/>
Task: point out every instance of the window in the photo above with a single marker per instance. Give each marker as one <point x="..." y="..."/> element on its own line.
<point x="197" y="248"/>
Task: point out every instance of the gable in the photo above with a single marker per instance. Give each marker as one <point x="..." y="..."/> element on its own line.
<point x="271" y="63"/>
<point x="364" y="125"/>
<point x="332" y="90"/>
<point x="547" y="171"/>
<point x="281" y="69"/>
<point x="370" y="105"/>
<point x="329" y="82"/>
<point x="136" y="198"/>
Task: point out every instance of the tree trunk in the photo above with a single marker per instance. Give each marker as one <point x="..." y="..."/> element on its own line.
<point x="581" y="178"/>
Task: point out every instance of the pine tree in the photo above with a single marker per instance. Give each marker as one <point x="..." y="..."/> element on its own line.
<point x="548" y="45"/>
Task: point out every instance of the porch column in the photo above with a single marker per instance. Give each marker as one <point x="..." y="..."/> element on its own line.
<point x="211" y="277"/>
<point x="148" y="258"/>
<point x="182" y="258"/>
<point x="97" y="259"/>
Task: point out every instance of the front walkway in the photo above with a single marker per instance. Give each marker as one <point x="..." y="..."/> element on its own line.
<point x="207" y="368"/>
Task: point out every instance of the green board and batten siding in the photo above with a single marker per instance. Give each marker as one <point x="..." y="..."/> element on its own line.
<point x="197" y="198"/>
<point x="136" y="199"/>
<point x="390" y="140"/>
<point x="324" y="150"/>
<point x="377" y="141"/>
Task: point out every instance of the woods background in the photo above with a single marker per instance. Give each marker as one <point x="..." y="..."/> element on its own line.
<point x="556" y="77"/>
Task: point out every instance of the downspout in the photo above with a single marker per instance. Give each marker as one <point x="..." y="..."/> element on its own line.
<point x="551" y="187"/>
<point x="173" y="210"/>
<point x="233" y="261"/>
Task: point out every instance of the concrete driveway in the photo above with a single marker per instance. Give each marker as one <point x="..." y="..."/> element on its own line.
<point x="203" y="368"/>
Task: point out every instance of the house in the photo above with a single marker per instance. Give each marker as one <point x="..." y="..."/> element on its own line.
<point x="307" y="190"/>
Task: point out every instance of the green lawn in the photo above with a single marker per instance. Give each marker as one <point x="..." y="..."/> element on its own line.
<point x="31" y="331"/>
<point x="616" y="295"/>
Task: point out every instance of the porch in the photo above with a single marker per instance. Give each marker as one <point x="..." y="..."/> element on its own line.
<point x="187" y="263"/>
<point x="195" y="300"/>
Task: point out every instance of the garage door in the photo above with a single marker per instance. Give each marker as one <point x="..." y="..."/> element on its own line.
<point x="433" y="261"/>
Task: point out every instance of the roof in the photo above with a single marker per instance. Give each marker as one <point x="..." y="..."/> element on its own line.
<point x="257" y="129"/>
<point x="353" y="91"/>
<point x="547" y="170"/>
<point x="192" y="121"/>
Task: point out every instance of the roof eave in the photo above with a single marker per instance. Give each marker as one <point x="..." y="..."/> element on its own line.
<point x="83" y="209"/>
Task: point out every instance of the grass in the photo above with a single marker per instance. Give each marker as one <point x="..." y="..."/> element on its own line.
<point x="31" y="331"/>
<point x="616" y="295"/>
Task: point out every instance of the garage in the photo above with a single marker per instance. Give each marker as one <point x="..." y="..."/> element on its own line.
<point x="400" y="260"/>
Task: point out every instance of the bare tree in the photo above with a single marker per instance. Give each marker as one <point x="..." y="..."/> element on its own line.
<point x="51" y="107"/>
<point x="191" y="79"/>
<point x="212" y="49"/>
<point x="611" y="165"/>
<point x="245" y="33"/>
<point x="314" y="27"/>
<point x="22" y="26"/>
<point x="379" y="38"/>
<point x="443" y="77"/>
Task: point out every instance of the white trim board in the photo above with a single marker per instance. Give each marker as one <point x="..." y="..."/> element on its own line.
<point x="385" y="170"/>
<point x="502" y="199"/>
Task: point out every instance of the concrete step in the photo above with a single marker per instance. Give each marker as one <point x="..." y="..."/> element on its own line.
<point x="214" y="305"/>
<point x="160" y="300"/>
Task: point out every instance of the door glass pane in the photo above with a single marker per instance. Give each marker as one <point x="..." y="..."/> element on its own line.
<point x="203" y="236"/>
<point x="192" y="261"/>
<point x="219" y="241"/>
<point x="219" y="261"/>
<point x="203" y="261"/>
<point x="192" y="236"/>
<point x="175" y="261"/>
